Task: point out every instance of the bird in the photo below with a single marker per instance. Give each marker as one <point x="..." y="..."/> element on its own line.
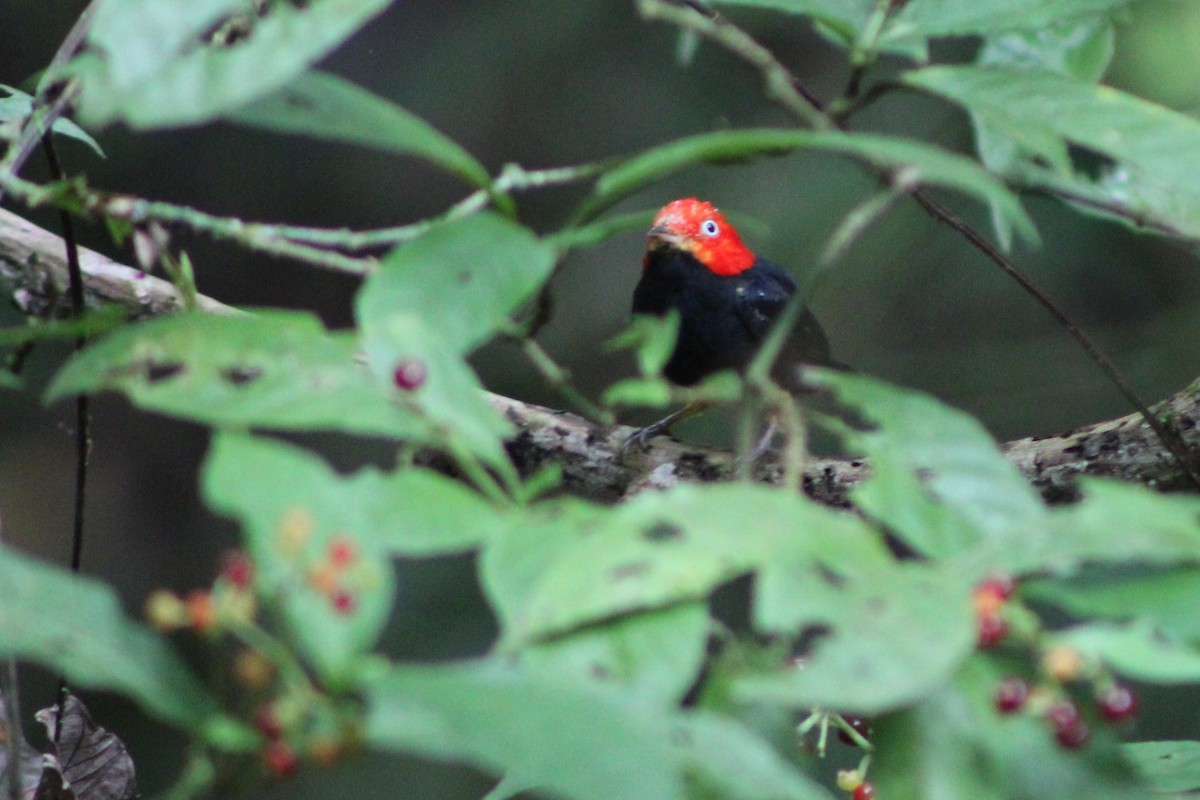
<point x="728" y="299"/>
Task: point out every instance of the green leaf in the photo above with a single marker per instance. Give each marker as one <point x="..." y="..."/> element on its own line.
<point x="639" y="392"/>
<point x="1137" y="651"/>
<point x="449" y="394"/>
<point x="653" y="337"/>
<point x="147" y="64"/>
<point x="922" y="19"/>
<point x="887" y="636"/>
<point x="937" y="480"/>
<point x="569" y="737"/>
<point x="279" y="370"/>
<point x="920" y="164"/>
<point x="844" y="18"/>
<point x="463" y="279"/>
<point x="10" y="381"/>
<point x="293" y="509"/>
<point x="573" y="563"/>
<point x="74" y="625"/>
<point x="19" y="105"/>
<point x="575" y="739"/>
<point x="1155" y="529"/>
<point x="954" y="745"/>
<point x="1167" y="766"/>
<point x="1151" y="150"/>
<point x="1166" y="598"/>
<point x="1079" y="48"/>
<point x="654" y="656"/>
<point x="328" y="107"/>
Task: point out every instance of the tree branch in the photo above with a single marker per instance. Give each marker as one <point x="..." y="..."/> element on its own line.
<point x="33" y="271"/>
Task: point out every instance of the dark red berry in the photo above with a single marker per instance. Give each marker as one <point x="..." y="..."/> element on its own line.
<point x="280" y="759"/>
<point x="343" y="602"/>
<point x="237" y="569"/>
<point x="861" y="725"/>
<point x="865" y="791"/>
<point x="410" y="374"/>
<point x="1002" y="586"/>
<point x="1074" y="736"/>
<point x="1117" y="703"/>
<point x="1062" y="715"/>
<point x="992" y="630"/>
<point x="1011" y="694"/>
<point x="343" y="552"/>
<point x="266" y="721"/>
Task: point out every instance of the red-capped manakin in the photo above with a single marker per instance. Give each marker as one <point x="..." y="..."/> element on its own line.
<point x="727" y="298"/>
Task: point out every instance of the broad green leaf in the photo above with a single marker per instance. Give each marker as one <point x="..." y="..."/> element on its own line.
<point x="922" y="19"/>
<point x="574" y="563"/>
<point x="1079" y="48"/>
<point x="75" y="626"/>
<point x="919" y="164"/>
<point x="1152" y="151"/>
<point x="575" y="739"/>
<point x="1167" y="766"/>
<point x="1137" y="651"/>
<point x="9" y="381"/>
<point x="728" y="757"/>
<point x="148" y="66"/>
<point x="1154" y="529"/>
<point x="1165" y="598"/>
<point x="294" y="508"/>
<point x="954" y="745"/>
<point x="279" y="370"/>
<point x="19" y="105"/>
<point x="938" y="479"/>
<point x="655" y="656"/>
<point x="887" y="636"/>
<point x="328" y="107"/>
<point x="448" y="395"/>
<point x="463" y="279"/>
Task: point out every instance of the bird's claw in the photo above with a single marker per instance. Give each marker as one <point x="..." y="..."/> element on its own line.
<point x="640" y="439"/>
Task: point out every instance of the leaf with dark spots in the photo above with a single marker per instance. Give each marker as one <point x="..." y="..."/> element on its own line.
<point x="663" y="531"/>
<point x="95" y="764"/>
<point x="156" y="372"/>
<point x="239" y="375"/>
<point x="624" y="572"/>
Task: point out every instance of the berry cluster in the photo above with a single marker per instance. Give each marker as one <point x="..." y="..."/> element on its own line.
<point x="1059" y="664"/>
<point x="231" y="601"/>
<point x="852" y="781"/>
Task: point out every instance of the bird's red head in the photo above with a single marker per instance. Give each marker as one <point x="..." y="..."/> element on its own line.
<point x="698" y="228"/>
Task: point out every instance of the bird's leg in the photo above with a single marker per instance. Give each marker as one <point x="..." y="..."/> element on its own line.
<point x="642" y="436"/>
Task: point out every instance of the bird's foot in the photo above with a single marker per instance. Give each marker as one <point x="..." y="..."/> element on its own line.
<point x="640" y="438"/>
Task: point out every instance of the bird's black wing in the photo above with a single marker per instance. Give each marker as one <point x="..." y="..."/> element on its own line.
<point x="762" y="294"/>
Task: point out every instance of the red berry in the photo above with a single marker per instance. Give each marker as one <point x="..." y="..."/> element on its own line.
<point x="1001" y="586"/>
<point x="1074" y="736"/>
<point x="343" y="552"/>
<point x="237" y="569"/>
<point x="1011" y="694"/>
<point x="1117" y="703"/>
<point x="1062" y="715"/>
<point x="343" y="602"/>
<point x="410" y="374"/>
<point x="861" y="725"/>
<point x="280" y="759"/>
<point x="266" y="720"/>
<point x="865" y="791"/>
<point x="992" y="630"/>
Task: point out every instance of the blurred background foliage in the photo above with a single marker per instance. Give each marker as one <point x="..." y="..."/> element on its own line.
<point x="546" y="83"/>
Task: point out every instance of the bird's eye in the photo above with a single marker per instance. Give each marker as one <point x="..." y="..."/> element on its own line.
<point x="709" y="228"/>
